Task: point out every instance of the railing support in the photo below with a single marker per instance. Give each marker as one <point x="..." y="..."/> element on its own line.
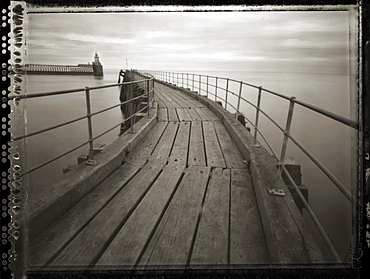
<point x="257" y="116"/>
<point x="148" y="92"/>
<point x="200" y="84"/>
<point x="90" y="157"/>
<point x="207" y="87"/>
<point x="193" y="83"/>
<point x="286" y="136"/>
<point x="240" y="95"/>
<point x="216" y="89"/>
<point x="226" y="92"/>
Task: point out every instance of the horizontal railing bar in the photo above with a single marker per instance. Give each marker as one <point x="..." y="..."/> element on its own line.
<point x="329" y="114"/>
<point x="115" y="126"/>
<point x="313" y="217"/>
<point x="276" y="94"/>
<point x="55" y="158"/>
<point x="52" y="93"/>
<point x="107" y="131"/>
<point x="50" y="128"/>
<point x="112" y="107"/>
<point x="273" y="121"/>
<point x="36" y="95"/>
<point x="248" y="102"/>
<point x="263" y="137"/>
<point x="339" y="185"/>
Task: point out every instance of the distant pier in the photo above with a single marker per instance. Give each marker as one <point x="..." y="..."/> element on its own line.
<point x="95" y="68"/>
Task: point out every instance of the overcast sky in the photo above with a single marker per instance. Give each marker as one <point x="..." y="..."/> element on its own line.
<point x="300" y="41"/>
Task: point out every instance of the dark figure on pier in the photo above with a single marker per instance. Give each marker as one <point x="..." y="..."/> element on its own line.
<point x="128" y="92"/>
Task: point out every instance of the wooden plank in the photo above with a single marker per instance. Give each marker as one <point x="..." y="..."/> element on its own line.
<point x="159" y="101"/>
<point x="211" y="116"/>
<point x="190" y="102"/>
<point x="213" y="150"/>
<point x="211" y="245"/>
<point x="132" y="239"/>
<point x="172" y="115"/>
<point x="201" y="113"/>
<point x="86" y="248"/>
<point x="233" y="157"/>
<point x="174" y="95"/>
<point x="167" y="103"/>
<point x="247" y="243"/>
<point x="145" y="148"/>
<point x="164" y="146"/>
<point x="179" y="153"/>
<point x="154" y="239"/>
<point x="173" y="245"/>
<point x="54" y="238"/>
<point x="162" y="114"/>
<point x="183" y="114"/>
<point x="196" y="145"/>
<point x="168" y="100"/>
<point x="193" y="114"/>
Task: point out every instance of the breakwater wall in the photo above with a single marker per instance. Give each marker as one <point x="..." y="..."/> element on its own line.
<point x="95" y="68"/>
<point x="58" y="70"/>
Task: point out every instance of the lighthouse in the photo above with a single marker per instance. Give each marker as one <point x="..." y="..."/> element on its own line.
<point x="97" y="66"/>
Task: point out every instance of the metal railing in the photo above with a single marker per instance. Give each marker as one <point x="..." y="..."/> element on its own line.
<point x="147" y="84"/>
<point x="201" y="84"/>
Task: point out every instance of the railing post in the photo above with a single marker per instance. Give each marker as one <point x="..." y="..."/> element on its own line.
<point x="257" y="116"/>
<point x="286" y="135"/>
<point x="182" y="79"/>
<point x="200" y="84"/>
<point x="90" y="157"/>
<point x="207" y="87"/>
<point x="193" y="83"/>
<point x="227" y="92"/>
<point x="240" y="95"/>
<point x="216" y="89"/>
<point x="187" y="80"/>
<point x="148" y="92"/>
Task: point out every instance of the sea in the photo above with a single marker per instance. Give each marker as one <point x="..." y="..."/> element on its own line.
<point x="330" y="142"/>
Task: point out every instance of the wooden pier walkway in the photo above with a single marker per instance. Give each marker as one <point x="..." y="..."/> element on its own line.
<point x="184" y="198"/>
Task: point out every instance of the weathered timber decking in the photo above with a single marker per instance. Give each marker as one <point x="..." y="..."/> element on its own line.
<point x="184" y="198"/>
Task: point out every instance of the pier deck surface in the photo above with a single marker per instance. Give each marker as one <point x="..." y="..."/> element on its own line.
<point x="183" y="198"/>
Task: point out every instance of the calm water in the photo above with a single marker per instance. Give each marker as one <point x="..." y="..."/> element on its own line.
<point x="328" y="141"/>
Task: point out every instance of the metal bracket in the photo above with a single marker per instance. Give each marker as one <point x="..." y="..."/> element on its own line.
<point x="255" y="145"/>
<point x="276" y="192"/>
<point x="91" y="162"/>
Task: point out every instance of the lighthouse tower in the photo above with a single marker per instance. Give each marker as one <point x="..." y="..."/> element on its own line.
<point x="97" y="66"/>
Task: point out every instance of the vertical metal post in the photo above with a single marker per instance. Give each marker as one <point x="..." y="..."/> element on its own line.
<point x="89" y="124"/>
<point x="200" y="84"/>
<point x="207" y="87"/>
<point x="286" y="134"/>
<point x="187" y="80"/>
<point x="227" y="92"/>
<point x="148" y="92"/>
<point x="216" y="89"/>
<point x="240" y="95"/>
<point x="257" y="115"/>
<point x="182" y="79"/>
<point x="193" y="84"/>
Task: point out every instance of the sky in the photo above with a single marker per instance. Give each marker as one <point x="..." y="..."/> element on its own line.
<point x="295" y="41"/>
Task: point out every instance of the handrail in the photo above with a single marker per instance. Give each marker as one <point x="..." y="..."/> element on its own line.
<point x="197" y="80"/>
<point x="52" y="93"/>
<point x="148" y="91"/>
